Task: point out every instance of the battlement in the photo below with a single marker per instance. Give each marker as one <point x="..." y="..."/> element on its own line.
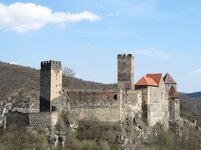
<point x="46" y="65"/>
<point x="125" y="56"/>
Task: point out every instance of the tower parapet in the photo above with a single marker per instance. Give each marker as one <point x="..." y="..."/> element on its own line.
<point x="125" y="71"/>
<point x="124" y="55"/>
<point x="46" y="65"/>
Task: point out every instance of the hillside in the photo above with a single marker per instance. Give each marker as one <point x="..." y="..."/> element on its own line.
<point x="15" y="77"/>
<point x="195" y="95"/>
<point x="191" y="107"/>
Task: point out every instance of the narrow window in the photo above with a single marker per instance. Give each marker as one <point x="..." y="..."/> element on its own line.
<point x="115" y="97"/>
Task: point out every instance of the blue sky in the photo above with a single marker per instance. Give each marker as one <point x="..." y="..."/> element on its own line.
<point x="86" y="35"/>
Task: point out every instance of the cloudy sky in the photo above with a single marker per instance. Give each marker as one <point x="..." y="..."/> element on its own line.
<point x="87" y="35"/>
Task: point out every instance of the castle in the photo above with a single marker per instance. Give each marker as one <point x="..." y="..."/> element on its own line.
<point x="153" y="98"/>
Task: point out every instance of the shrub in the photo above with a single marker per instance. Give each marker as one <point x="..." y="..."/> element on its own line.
<point x="168" y="140"/>
<point x="22" y="139"/>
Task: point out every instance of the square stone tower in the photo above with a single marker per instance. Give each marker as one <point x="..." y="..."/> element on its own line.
<point x="125" y="72"/>
<point x="174" y="105"/>
<point x="50" y="84"/>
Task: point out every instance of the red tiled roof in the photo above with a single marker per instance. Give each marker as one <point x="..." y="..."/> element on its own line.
<point x="146" y="81"/>
<point x="168" y="79"/>
<point x="155" y="77"/>
<point x="173" y="93"/>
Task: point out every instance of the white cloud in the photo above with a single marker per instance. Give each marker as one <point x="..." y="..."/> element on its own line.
<point x="198" y="71"/>
<point x="152" y="52"/>
<point x="22" y="17"/>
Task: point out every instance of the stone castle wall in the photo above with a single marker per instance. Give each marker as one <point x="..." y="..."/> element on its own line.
<point x="103" y="105"/>
<point x="131" y="104"/>
<point x="16" y="119"/>
<point x="111" y="105"/>
<point x="43" y="119"/>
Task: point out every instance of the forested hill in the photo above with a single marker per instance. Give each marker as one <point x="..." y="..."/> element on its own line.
<point x="191" y="107"/>
<point x="15" y="77"/>
<point x="195" y="95"/>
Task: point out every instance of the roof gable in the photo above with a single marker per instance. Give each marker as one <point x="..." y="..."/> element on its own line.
<point x="146" y="81"/>
<point x="168" y="79"/>
<point x="155" y="77"/>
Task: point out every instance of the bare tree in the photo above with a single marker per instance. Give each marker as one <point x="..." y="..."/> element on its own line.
<point x="69" y="73"/>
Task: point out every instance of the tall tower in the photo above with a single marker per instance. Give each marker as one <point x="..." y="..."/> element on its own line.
<point x="50" y="84"/>
<point x="125" y="72"/>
